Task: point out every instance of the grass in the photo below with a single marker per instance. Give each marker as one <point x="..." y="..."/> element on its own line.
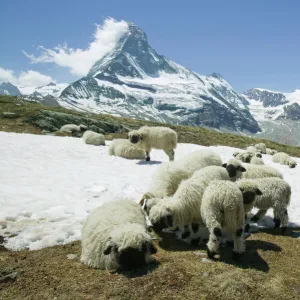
<point x="187" y="134"/>
<point x="269" y="270"/>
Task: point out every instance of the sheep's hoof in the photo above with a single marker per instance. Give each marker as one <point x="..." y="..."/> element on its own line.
<point x="211" y="254"/>
<point x="236" y="255"/>
<point x="147" y="158"/>
<point x="277" y="222"/>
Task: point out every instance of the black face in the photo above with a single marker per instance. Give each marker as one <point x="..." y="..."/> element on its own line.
<point x="249" y="196"/>
<point x="131" y="258"/>
<point x="163" y="223"/>
<point x="292" y="166"/>
<point x="247" y="159"/>
<point x="259" y="155"/>
<point x="134" y="139"/>
<point x="231" y="169"/>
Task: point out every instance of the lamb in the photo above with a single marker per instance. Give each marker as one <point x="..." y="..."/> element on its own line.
<point x="123" y="148"/>
<point x="93" y="138"/>
<point x="261" y="147"/>
<point x="284" y="159"/>
<point x="72" y="128"/>
<point x="115" y="236"/>
<point x="260" y="171"/>
<point x="256" y="161"/>
<point x="155" y="137"/>
<point x="276" y="194"/>
<point x="271" y="151"/>
<point x="184" y="207"/>
<point x="223" y="208"/>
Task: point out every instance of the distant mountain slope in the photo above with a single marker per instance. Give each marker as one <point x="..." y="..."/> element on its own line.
<point x="133" y="80"/>
<point x="7" y="88"/>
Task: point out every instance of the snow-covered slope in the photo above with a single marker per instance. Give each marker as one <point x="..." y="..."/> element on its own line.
<point x="57" y="181"/>
<point x="134" y="80"/>
<point x="52" y="89"/>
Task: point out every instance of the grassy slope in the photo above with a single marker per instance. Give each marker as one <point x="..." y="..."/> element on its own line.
<point x="269" y="270"/>
<point x="187" y="134"/>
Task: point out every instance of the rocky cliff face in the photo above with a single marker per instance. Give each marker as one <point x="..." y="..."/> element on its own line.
<point x="133" y="80"/>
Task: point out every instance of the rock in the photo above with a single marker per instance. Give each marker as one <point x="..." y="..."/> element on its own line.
<point x="71" y="256"/>
<point x="9" y="276"/>
<point x="10" y="115"/>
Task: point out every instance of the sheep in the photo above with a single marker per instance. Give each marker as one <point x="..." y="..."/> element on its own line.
<point x="115" y="236"/>
<point x="184" y="207"/>
<point x="251" y="148"/>
<point x="244" y="156"/>
<point x="261" y="147"/>
<point x="123" y="148"/>
<point x="284" y="159"/>
<point x="256" y="161"/>
<point x="271" y="151"/>
<point x="260" y="171"/>
<point x="276" y="194"/>
<point x="93" y="138"/>
<point x="236" y="153"/>
<point x="72" y="128"/>
<point x="168" y="176"/>
<point x="155" y="137"/>
<point x="223" y="208"/>
<point x="234" y="169"/>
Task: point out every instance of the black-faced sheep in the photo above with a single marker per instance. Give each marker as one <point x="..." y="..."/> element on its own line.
<point x="222" y="208"/>
<point x="234" y="169"/>
<point x="276" y="194"/>
<point x="72" y="128"/>
<point x="93" y="138"/>
<point x="123" y="148"/>
<point x="261" y="147"/>
<point x="284" y="159"/>
<point x="148" y="138"/>
<point x="271" y="151"/>
<point x="256" y="161"/>
<point x="115" y="236"/>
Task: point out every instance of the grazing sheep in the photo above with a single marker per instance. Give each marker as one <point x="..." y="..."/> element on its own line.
<point x="284" y="159"/>
<point x="271" y="151"/>
<point x="155" y="137"/>
<point x="123" y="148"/>
<point x="256" y="161"/>
<point x="72" y="128"/>
<point x="260" y="171"/>
<point x="276" y="194"/>
<point x="166" y="179"/>
<point x="261" y="147"/>
<point x="184" y="207"/>
<point x="223" y="208"/>
<point x="115" y="236"/>
<point x="244" y="156"/>
<point x="93" y="138"/>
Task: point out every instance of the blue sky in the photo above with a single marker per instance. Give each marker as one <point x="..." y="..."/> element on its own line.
<point x="251" y="43"/>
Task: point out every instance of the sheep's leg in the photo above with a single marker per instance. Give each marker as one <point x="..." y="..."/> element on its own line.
<point x="170" y="153"/>
<point x="148" y="155"/>
<point x="239" y="243"/>
<point x="259" y="215"/>
<point x="281" y="217"/>
<point x="214" y="241"/>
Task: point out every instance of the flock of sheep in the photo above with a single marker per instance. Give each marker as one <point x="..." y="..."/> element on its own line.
<point x="198" y="198"/>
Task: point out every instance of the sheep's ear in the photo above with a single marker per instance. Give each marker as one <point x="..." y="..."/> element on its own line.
<point x="141" y="136"/>
<point x="241" y="189"/>
<point x="258" y="192"/>
<point x="110" y="248"/>
<point x="224" y="165"/>
<point x="143" y="201"/>
<point x="241" y="169"/>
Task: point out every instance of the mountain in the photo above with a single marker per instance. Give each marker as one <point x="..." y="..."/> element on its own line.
<point x="52" y="89"/>
<point x="133" y="80"/>
<point x="6" y="88"/>
<point x="278" y="114"/>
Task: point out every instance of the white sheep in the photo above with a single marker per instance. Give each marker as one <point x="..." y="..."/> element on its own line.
<point x="235" y="153"/>
<point x="234" y="169"/>
<point x="222" y="208"/>
<point x="93" y="138"/>
<point x="271" y="151"/>
<point x="148" y="138"/>
<point x="123" y="148"/>
<point x="251" y="148"/>
<point x="276" y="194"/>
<point x="184" y="207"/>
<point x="284" y="159"/>
<point x="260" y="171"/>
<point x="72" y="128"/>
<point x="256" y="161"/>
<point x="244" y="156"/>
<point x="115" y="236"/>
<point x="168" y="176"/>
<point x="261" y="147"/>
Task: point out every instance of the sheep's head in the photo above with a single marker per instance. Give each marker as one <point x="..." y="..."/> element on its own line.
<point x="257" y="154"/>
<point x="246" y="157"/>
<point x="134" y="136"/>
<point x="148" y="201"/>
<point x="82" y="127"/>
<point x="129" y="249"/>
<point x="234" y="169"/>
<point x="292" y="164"/>
<point x="161" y="217"/>
<point x="235" y="154"/>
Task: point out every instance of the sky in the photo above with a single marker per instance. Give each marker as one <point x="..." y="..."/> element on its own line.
<point x="250" y="43"/>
